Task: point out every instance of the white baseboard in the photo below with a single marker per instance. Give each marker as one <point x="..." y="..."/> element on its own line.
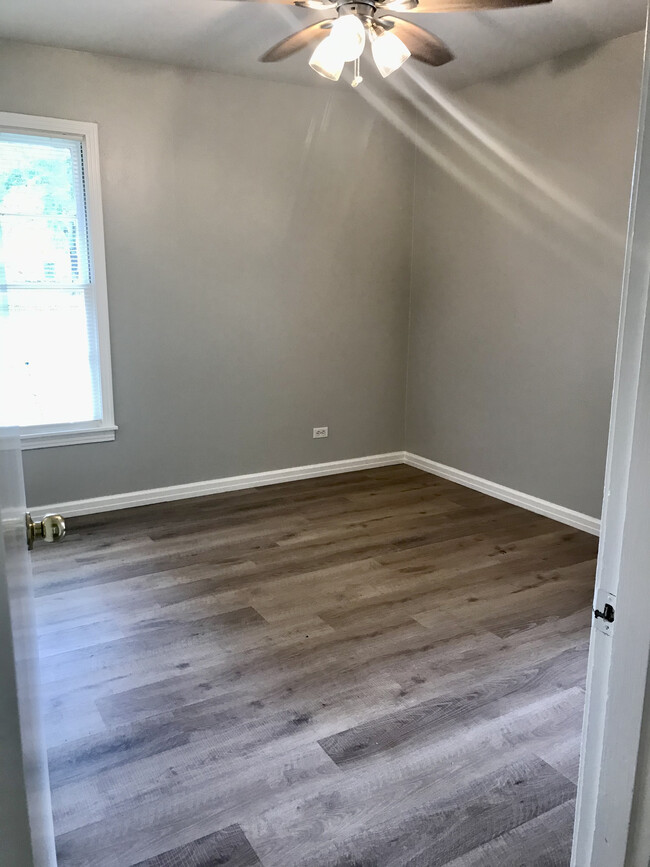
<point x="509" y="495"/>
<point x="215" y="486"/>
<point x="273" y="477"/>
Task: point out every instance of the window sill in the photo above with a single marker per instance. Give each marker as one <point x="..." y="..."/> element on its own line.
<point x="44" y="440"/>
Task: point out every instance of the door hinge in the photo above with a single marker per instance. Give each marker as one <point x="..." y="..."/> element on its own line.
<point x="604" y="611"/>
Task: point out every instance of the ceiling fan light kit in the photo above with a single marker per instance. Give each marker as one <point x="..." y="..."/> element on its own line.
<point x="326" y="60"/>
<point x="388" y="51"/>
<point x="348" y="36"/>
<point x="347" y="39"/>
<point x="392" y="39"/>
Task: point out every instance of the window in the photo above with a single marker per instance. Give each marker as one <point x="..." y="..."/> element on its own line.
<point x="54" y="342"/>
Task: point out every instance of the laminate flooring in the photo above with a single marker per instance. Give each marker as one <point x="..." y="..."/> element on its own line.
<point x="376" y="669"/>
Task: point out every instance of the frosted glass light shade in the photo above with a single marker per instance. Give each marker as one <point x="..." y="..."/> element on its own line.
<point x="326" y="59"/>
<point x="349" y="34"/>
<point x="389" y="52"/>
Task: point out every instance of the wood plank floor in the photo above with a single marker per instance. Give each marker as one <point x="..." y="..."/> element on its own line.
<point x="377" y="669"/>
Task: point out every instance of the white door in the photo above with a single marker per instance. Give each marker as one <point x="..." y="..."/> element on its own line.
<point x="26" y="832"/>
<point x="613" y="809"/>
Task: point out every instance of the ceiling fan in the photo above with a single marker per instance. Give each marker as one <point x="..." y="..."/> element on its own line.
<point x="341" y="39"/>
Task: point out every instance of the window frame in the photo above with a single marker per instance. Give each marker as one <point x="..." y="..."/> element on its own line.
<point x="99" y="430"/>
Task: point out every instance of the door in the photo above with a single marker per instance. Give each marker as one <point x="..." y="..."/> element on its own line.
<point x="26" y="832"/>
<point x="613" y="808"/>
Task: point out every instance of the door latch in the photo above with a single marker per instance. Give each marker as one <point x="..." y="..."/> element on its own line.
<point x="604" y="611"/>
<point x="607" y="613"/>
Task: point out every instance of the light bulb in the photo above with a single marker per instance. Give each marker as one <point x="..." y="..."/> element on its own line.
<point x="326" y="59"/>
<point x="389" y="52"/>
<point x="349" y="35"/>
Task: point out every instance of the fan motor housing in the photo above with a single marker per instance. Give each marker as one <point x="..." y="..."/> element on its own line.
<point x="362" y="10"/>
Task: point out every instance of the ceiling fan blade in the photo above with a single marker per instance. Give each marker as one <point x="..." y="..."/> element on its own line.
<point x="276" y="2"/>
<point x="316" y="4"/>
<point x="399" y="5"/>
<point x="423" y="45"/>
<point x="471" y="5"/>
<point x="307" y="36"/>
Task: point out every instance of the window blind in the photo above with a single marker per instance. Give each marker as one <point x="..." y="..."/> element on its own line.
<point x="49" y="348"/>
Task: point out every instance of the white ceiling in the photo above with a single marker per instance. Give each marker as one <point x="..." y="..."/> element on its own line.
<point x="230" y="36"/>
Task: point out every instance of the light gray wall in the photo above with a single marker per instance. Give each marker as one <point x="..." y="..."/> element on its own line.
<point x="258" y="255"/>
<point x="516" y="274"/>
<point x="259" y="247"/>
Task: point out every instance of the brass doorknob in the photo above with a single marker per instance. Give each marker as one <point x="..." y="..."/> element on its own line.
<point x="51" y="529"/>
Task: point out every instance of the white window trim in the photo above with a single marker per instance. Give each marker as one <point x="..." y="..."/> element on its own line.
<point x="44" y="436"/>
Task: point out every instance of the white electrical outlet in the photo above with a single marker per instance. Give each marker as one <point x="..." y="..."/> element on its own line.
<point x="321" y="432"/>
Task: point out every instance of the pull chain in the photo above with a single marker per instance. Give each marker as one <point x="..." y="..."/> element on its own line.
<point x="356" y="81"/>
